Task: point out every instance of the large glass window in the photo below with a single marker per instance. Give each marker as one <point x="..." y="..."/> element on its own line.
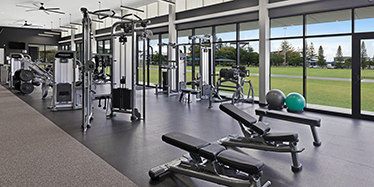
<point x="249" y="30"/>
<point x="364" y="19"/>
<point x="286" y="60"/>
<point x="286" y="27"/>
<point x="44" y="53"/>
<point x="203" y="31"/>
<point x="154" y="52"/>
<point x="329" y="72"/>
<point x="226" y="33"/>
<point x="335" y="22"/>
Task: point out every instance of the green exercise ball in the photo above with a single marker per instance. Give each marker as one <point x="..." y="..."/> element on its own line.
<point x="295" y="102"/>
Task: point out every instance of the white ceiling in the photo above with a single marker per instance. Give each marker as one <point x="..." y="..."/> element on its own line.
<point x="13" y="16"/>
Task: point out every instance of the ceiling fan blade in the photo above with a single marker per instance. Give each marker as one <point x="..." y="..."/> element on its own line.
<point x="24" y="6"/>
<point x="35" y="26"/>
<point x="30" y="10"/>
<point x="46" y="12"/>
<point x="52" y="9"/>
<point x="37" y="5"/>
<point x="58" y="12"/>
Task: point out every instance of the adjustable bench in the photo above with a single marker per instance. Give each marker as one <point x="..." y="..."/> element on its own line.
<point x="188" y="91"/>
<point x="211" y="162"/>
<point x="313" y="122"/>
<point x="257" y="135"/>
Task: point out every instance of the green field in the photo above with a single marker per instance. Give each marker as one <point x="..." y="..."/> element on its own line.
<point x="321" y="92"/>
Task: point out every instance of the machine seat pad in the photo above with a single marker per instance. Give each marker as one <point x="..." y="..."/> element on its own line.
<point x="292" y="117"/>
<point x="189" y="90"/>
<point x="211" y="151"/>
<point x="282" y="136"/>
<point x="184" y="141"/>
<point x="240" y="161"/>
<point x="78" y="83"/>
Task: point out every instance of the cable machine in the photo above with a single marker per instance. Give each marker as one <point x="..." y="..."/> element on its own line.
<point x="124" y="47"/>
<point x="67" y="90"/>
<point x="174" y="78"/>
<point x="123" y="89"/>
<point x="205" y="78"/>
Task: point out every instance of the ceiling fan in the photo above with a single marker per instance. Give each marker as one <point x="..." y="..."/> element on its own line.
<point x="42" y="8"/>
<point x="25" y="24"/>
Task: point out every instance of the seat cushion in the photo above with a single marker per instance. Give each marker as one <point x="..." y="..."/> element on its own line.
<point x="184" y="141"/>
<point x="238" y="114"/>
<point x="211" y="151"/>
<point x="285" y="137"/>
<point x="240" y="161"/>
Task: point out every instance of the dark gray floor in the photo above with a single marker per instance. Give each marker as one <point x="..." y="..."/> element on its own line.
<point x="345" y="157"/>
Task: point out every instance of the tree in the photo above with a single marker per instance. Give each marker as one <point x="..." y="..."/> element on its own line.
<point x="364" y="56"/>
<point x="276" y="59"/>
<point x="321" y="57"/>
<point x="295" y="59"/>
<point x="287" y="49"/>
<point x="156" y="58"/>
<point x="310" y="52"/>
<point x="348" y="62"/>
<point x="339" y="57"/>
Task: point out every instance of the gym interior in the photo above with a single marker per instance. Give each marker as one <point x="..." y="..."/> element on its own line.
<point x="187" y="93"/>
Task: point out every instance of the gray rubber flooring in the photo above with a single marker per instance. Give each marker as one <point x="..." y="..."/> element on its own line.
<point x="345" y="157"/>
<point x="35" y="152"/>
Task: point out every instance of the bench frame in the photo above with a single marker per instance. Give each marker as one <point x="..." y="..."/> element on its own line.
<point x="253" y="140"/>
<point x="316" y="142"/>
<point x="193" y="165"/>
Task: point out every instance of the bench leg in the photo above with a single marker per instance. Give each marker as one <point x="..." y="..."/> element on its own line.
<point x="316" y="142"/>
<point x="296" y="166"/>
<point x="180" y="98"/>
<point x="189" y="96"/>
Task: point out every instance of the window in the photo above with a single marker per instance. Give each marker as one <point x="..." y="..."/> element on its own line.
<point x="364" y="19"/>
<point x="286" y="60"/>
<point x="44" y="53"/>
<point x="335" y="22"/>
<point x="286" y="27"/>
<point x="329" y="78"/>
<point x="249" y="30"/>
<point x="226" y="33"/>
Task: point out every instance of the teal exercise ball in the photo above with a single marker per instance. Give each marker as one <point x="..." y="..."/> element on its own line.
<point x="295" y="102"/>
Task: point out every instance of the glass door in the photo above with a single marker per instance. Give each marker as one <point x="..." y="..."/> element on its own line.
<point x="363" y="76"/>
<point x="367" y="76"/>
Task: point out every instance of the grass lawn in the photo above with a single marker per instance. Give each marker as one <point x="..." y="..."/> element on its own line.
<point x="320" y="92"/>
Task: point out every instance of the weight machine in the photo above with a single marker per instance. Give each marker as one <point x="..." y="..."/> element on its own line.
<point x="123" y="69"/>
<point x="236" y="79"/>
<point x="174" y="78"/>
<point x="67" y="88"/>
<point x="205" y="77"/>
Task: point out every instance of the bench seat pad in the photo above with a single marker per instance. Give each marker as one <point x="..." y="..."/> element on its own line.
<point x="240" y="161"/>
<point x="238" y="114"/>
<point x="297" y="118"/>
<point x="286" y="137"/>
<point x="185" y="142"/>
<point x="211" y="151"/>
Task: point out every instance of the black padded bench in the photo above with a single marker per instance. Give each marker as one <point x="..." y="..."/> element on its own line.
<point x="313" y="122"/>
<point x="259" y="127"/>
<point x="188" y="91"/>
<point x="217" y="152"/>
<point x="257" y="135"/>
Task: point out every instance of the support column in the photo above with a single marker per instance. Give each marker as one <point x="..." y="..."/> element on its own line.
<point x="93" y="40"/>
<point x="72" y="42"/>
<point x="264" y="46"/>
<point x="172" y="51"/>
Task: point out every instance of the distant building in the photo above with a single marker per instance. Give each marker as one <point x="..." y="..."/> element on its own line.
<point x="344" y="58"/>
